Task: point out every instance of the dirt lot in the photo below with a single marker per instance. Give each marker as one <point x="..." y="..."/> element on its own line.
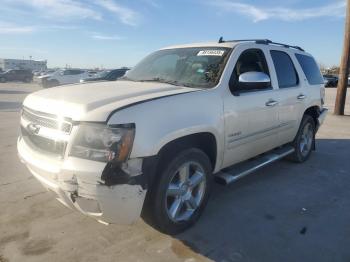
<point x="285" y="212"/>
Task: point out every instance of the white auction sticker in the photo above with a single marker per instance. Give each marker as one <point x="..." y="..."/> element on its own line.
<point x="211" y="52"/>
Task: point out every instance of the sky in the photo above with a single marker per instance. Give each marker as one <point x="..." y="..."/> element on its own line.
<point x="115" y="33"/>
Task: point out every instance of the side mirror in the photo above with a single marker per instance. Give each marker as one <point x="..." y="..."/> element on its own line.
<point x="253" y="81"/>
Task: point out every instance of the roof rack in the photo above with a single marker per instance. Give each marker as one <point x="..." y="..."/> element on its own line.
<point x="261" y="41"/>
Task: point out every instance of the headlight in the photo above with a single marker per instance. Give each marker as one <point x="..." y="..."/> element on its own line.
<point x="103" y="143"/>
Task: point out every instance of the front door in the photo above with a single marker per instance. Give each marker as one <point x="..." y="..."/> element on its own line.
<point x="251" y="117"/>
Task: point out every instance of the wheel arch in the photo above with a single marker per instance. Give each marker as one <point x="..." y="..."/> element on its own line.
<point x="314" y="112"/>
<point x="204" y="141"/>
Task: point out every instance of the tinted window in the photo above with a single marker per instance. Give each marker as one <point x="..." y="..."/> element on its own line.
<point x="310" y="68"/>
<point x="251" y="60"/>
<point x="115" y="74"/>
<point x="285" y="70"/>
<point x="73" y="72"/>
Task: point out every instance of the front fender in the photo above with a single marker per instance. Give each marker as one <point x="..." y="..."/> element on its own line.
<point x="161" y="121"/>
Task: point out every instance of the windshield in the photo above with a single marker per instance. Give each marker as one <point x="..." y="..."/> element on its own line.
<point x="192" y="67"/>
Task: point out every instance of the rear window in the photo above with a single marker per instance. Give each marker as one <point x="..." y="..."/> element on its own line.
<point x="310" y="68"/>
<point x="285" y="70"/>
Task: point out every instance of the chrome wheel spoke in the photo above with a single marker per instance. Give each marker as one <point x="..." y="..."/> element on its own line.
<point x="185" y="191"/>
<point x="196" y="179"/>
<point x="173" y="190"/>
<point x="184" y="173"/>
<point x="306" y="139"/>
<point x="191" y="203"/>
<point x="175" y="207"/>
<point x="302" y="145"/>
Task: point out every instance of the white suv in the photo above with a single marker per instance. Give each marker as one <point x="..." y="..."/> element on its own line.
<point x="154" y="140"/>
<point x="63" y="77"/>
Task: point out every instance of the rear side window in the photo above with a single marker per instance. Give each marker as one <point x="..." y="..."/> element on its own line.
<point x="310" y="68"/>
<point x="73" y="72"/>
<point x="285" y="70"/>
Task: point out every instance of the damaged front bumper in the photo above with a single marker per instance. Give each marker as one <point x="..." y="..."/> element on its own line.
<point x="78" y="185"/>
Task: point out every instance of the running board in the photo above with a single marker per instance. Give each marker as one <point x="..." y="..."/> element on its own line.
<point x="232" y="174"/>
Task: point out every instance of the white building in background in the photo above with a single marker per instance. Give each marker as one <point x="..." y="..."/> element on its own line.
<point x="33" y="65"/>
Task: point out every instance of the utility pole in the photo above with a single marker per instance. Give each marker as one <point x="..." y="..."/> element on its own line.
<point x="344" y="67"/>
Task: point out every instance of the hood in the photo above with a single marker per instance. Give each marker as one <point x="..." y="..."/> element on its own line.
<point x="95" y="101"/>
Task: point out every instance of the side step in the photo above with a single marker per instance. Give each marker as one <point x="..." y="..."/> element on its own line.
<point x="240" y="170"/>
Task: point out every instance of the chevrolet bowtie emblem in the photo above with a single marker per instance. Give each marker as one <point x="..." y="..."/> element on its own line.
<point x="33" y="128"/>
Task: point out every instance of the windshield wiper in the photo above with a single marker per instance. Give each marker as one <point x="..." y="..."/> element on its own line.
<point x="161" y="80"/>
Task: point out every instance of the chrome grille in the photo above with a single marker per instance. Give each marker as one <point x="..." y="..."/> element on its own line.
<point x="43" y="144"/>
<point x="39" y="142"/>
<point x="47" y="120"/>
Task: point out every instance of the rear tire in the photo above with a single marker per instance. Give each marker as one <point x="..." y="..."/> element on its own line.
<point x="180" y="192"/>
<point x="304" y="141"/>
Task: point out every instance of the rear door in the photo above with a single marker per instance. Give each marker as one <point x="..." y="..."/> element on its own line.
<point x="11" y="75"/>
<point x="72" y="76"/>
<point x="251" y="123"/>
<point x="291" y="93"/>
<point x="20" y="75"/>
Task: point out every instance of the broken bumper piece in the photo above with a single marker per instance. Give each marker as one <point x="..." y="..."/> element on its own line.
<point x="77" y="184"/>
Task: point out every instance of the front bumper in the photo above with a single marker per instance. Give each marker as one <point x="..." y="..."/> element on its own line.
<point x="77" y="184"/>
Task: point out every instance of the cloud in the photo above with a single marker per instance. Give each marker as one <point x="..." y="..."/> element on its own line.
<point x="7" y="28"/>
<point x="68" y="10"/>
<point x="106" y="37"/>
<point x="335" y="9"/>
<point x="125" y="14"/>
<point x="60" y="8"/>
<point x="152" y="3"/>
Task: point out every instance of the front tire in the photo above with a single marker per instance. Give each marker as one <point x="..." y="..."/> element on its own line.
<point x="181" y="192"/>
<point x="304" y="141"/>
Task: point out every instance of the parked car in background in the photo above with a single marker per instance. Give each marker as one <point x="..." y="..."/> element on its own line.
<point x="330" y="80"/>
<point x="45" y="72"/>
<point x="16" y="75"/>
<point x="62" y="77"/>
<point x="108" y="75"/>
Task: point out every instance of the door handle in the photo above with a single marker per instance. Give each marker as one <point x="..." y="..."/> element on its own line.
<point x="301" y="97"/>
<point x="271" y="103"/>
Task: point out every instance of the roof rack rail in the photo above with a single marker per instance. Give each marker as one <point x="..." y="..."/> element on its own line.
<point x="261" y="41"/>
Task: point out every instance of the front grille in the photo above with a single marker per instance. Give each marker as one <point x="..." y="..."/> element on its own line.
<point x="44" y="144"/>
<point x="47" y="120"/>
<point x="38" y="142"/>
